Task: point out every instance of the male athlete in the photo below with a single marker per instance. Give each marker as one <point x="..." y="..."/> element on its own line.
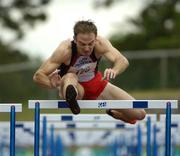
<point x="73" y="70"/>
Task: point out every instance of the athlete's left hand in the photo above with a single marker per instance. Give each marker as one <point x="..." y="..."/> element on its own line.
<point x="109" y="73"/>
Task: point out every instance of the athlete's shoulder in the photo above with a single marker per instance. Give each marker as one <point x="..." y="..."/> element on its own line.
<point x="102" y="40"/>
<point x="63" y="51"/>
<point x="102" y="44"/>
<point x="65" y="44"/>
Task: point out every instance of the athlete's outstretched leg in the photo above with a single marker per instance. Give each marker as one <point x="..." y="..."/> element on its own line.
<point x="71" y="91"/>
<point x="112" y="92"/>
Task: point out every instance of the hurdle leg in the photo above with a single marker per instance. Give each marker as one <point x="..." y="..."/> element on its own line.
<point x="52" y="146"/>
<point x="44" y="137"/>
<point x="148" y="147"/>
<point x="168" y="130"/>
<point x="173" y="146"/>
<point x="2" y="148"/>
<point x="154" y="140"/>
<point x="139" y="141"/>
<point x="12" y="131"/>
<point x="36" y="128"/>
<point x="59" y="148"/>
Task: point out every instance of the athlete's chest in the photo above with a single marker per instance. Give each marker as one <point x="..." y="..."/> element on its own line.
<point x="84" y="63"/>
<point x="84" y="67"/>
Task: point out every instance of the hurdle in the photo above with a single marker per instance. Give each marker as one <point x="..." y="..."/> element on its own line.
<point x="56" y="119"/>
<point x="175" y="121"/>
<point x="12" y="108"/>
<point x="77" y="125"/>
<point x="99" y="104"/>
<point x="69" y="121"/>
<point x="83" y="121"/>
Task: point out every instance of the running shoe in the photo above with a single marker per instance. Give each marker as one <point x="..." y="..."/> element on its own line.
<point x="71" y="99"/>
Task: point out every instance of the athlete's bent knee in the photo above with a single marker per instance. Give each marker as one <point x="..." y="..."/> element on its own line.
<point x="70" y="75"/>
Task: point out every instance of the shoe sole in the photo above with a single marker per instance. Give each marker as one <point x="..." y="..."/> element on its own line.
<point x="71" y="99"/>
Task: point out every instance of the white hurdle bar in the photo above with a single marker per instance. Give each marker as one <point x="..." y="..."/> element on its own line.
<point x="86" y="118"/>
<point x="105" y="104"/>
<point x="6" y="107"/>
<point x="78" y="118"/>
<point x="174" y="118"/>
<point x="91" y="119"/>
<point x="12" y="109"/>
<point x="84" y="125"/>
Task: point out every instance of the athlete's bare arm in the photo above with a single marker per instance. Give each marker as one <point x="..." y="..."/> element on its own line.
<point x="59" y="56"/>
<point x="120" y="63"/>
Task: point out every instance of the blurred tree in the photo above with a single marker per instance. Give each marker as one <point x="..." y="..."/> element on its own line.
<point x="157" y="27"/>
<point x="103" y="3"/>
<point x="16" y="17"/>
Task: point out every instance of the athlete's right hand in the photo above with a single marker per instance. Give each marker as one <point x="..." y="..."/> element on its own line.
<point x="55" y="79"/>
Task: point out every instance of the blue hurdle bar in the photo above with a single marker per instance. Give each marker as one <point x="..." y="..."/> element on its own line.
<point x="12" y="108"/>
<point x="44" y="143"/>
<point x="139" y="141"/>
<point x="12" y="131"/>
<point x="59" y="146"/>
<point x="36" y="127"/>
<point x="168" y="131"/>
<point x="148" y="148"/>
<point x="154" y="140"/>
<point x="52" y="143"/>
<point x="94" y="104"/>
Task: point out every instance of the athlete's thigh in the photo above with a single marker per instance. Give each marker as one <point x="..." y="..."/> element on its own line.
<point x="80" y="91"/>
<point x="72" y="79"/>
<point x="112" y="92"/>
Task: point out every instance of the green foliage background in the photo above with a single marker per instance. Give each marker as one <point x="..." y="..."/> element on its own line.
<point x="157" y="27"/>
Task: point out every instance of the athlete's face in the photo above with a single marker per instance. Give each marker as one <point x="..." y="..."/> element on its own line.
<point x="85" y="43"/>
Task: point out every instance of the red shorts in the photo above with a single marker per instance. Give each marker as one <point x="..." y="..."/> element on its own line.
<point x="94" y="87"/>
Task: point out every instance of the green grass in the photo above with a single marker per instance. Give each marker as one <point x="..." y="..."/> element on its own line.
<point x="157" y="94"/>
